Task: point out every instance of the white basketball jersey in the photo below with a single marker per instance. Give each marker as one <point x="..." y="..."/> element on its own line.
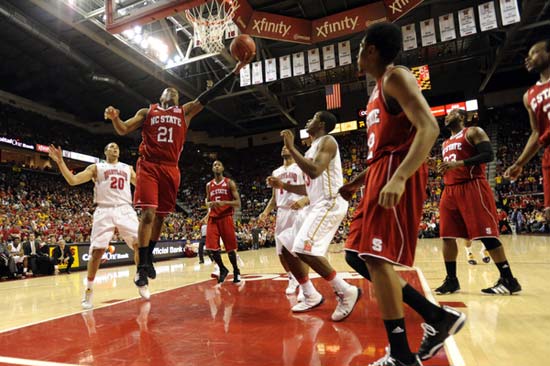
<point x="112" y="184"/>
<point x="325" y="186"/>
<point x="291" y="174"/>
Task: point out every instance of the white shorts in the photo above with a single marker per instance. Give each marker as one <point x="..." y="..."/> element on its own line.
<point x="285" y="238"/>
<point x="319" y="226"/>
<point x="285" y="221"/>
<point x="106" y="219"/>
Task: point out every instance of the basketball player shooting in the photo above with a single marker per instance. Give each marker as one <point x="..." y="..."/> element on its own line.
<point x="164" y="129"/>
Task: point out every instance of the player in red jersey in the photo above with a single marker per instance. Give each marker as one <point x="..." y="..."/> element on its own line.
<point x="222" y="197"/>
<point x="537" y="103"/>
<point x="164" y="129"/>
<point x="401" y="131"/>
<point x="467" y="208"/>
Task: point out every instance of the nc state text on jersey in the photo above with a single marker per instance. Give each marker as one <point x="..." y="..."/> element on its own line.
<point x="173" y="120"/>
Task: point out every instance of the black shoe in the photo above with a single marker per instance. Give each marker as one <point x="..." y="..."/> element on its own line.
<point x="389" y="360"/>
<point x="141" y="276"/>
<point x="504" y="286"/>
<point x="449" y="286"/>
<point x="151" y="272"/>
<point x="237" y="277"/>
<point x="223" y="274"/>
<point x="436" y="333"/>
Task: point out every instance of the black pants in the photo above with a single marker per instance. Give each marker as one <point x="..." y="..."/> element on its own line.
<point x="202" y="243"/>
<point x="69" y="263"/>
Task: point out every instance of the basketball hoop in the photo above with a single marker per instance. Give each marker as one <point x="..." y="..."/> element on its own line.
<point x="210" y="20"/>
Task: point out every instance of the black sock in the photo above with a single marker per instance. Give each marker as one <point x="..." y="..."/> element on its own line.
<point x="233" y="259"/>
<point x="451" y="269"/>
<point x="399" y="345"/>
<point x="143" y="256"/>
<point x="427" y="309"/>
<point x="504" y="269"/>
<point x="218" y="259"/>
<point x="152" y="244"/>
<point x="359" y="265"/>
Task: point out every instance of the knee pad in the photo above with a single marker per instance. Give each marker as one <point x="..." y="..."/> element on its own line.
<point x="359" y="265"/>
<point x="491" y="243"/>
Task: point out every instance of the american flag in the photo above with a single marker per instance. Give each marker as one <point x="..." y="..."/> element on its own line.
<point x="333" y="96"/>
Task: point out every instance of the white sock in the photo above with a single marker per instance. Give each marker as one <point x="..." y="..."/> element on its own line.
<point x="24" y="270"/>
<point x="308" y="288"/>
<point x="90" y="284"/>
<point x="290" y="277"/>
<point x="338" y="284"/>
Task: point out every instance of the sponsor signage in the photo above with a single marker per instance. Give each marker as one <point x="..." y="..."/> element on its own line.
<point x="459" y="105"/>
<point x="42" y="148"/>
<point x="395" y="9"/>
<point x="122" y="254"/>
<point x="16" y="143"/>
<point x="279" y="27"/>
<point x="438" y="111"/>
<point x="347" y="22"/>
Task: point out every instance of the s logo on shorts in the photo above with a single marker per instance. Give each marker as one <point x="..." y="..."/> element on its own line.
<point x="377" y="244"/>
<point x="307" y="245"/>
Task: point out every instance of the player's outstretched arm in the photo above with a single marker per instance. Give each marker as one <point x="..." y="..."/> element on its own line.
<point x="56" y="154"/>
<point x="401" y="85"/>
<point x="194" y="107"/>
<point x="531" y="147"/>
<point x="125" y="127"/>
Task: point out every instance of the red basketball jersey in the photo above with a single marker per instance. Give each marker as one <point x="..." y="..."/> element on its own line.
<point x="164" y="132"/>
<point x="457" y="148"/>
<point x="538" y="97"/>
<point x="220" y="192"/>
<point x="386" y="133"/>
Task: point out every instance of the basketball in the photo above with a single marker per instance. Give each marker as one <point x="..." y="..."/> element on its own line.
<point x="242" y="47"/>
<point x="111" y="249"/>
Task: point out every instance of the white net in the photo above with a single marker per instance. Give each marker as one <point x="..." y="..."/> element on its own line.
<point x="210" y="20"/>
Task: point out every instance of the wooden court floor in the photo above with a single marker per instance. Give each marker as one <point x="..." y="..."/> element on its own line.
<point x="501" y="330"/>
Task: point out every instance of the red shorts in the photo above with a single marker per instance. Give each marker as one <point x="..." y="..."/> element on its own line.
<point x="221" y="227"/>
<point x="546" y="177"/>
<point x="388" y="234"/>
<point x="156" y="186"/>
<point x="468" y="210"/>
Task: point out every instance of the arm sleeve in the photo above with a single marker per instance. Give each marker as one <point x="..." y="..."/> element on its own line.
<point x="215" y="90"/>
<point x="484" y="154"/>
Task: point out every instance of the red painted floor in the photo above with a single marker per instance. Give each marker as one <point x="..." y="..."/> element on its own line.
<point x="203" y="325"/>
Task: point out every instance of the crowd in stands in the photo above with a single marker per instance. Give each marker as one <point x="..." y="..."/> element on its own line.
<point x="40" y="202"/>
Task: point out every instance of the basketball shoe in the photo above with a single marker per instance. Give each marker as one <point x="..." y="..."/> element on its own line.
<point x="310" y="301"/>
<point x="388" y="360"/>
<point x="237" y="277"/>
<point x="449" y="286"/>
<point x="503" y="286"/>
<point x="346" y="303"/>
<point x="292" y="285"/>
<point x="223" y="274"/>
<point x="436" y="333"/>
<point x="87" y="299"/>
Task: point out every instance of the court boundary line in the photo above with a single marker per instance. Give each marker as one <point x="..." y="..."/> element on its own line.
<point x="450" y="344"/>
<point x="29" y="362"/>
<point x="99" y="307"/>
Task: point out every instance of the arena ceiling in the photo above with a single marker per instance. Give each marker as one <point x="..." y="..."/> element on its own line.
<point x="58" y="53"/>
